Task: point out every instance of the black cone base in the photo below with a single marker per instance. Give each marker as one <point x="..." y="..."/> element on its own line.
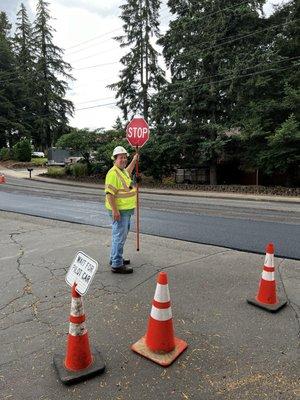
<point x="70" y="377"/>
<point x="268" y="307"/>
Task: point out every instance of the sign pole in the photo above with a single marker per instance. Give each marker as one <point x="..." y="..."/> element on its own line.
<point x="137" y="134"/>
<point x="137" y="203"/>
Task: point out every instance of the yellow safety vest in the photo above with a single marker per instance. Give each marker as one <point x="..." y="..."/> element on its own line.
<point x="118" y="183"/>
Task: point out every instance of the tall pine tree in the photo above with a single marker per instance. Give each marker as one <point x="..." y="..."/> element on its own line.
<point x="270" y="103"/>
<point x="52" y="73"/>
<point x="208" y="48"/>
<point x="141" y="75"/>
<point x="9" y="87"/>
<point x="24" y="51"/>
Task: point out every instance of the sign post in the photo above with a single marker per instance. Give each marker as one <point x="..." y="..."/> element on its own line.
<point x="137" y="134"/>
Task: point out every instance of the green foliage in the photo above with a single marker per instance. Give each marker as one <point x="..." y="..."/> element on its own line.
<point x="160" y="156"/>
<point x="51" y="75"/>
<point x="33" y="81"/>
<point x="56" y="172"/>
<point x="39" y="161"/>
<point x="78" y="170"/>
<point x="282" y="153"/>
<point x="107" y="141"/>
<point x="80" y="141"/>
<point x="22" y="150"/>
<point x="141" y="72"/>
<point x="9" y="88"/>
<point x="5" y="154"/>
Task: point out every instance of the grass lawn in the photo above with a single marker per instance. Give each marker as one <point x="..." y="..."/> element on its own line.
<point x="39" y="161"/>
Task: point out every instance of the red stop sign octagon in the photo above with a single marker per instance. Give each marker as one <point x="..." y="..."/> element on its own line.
<point x="137" y="132"/>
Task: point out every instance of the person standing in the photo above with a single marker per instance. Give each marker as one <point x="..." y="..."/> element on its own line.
<point x="120" y="201"/>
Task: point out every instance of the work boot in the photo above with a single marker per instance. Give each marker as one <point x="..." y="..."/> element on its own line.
<point x="122" y="270"/>
<point x="125" y="261"/>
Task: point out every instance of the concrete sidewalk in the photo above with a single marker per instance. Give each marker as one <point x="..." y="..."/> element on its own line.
<point x="235" y="351"/>
<point x="36" y="175"/>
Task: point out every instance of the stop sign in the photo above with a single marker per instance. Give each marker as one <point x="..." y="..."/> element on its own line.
<point x="137" y="132"/>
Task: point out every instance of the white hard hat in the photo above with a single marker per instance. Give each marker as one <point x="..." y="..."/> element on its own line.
<point x="118" y="150"/>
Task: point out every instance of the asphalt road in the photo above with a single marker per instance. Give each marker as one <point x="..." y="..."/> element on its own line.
<point x="235" y="351"/>
<point x="237" y="224"/>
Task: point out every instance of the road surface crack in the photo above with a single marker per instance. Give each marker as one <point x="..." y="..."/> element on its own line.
<point x="292" y="305"/>
<point x="159" y="269"/>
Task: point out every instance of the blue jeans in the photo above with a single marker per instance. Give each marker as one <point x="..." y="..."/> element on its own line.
<point x="120" y="231"/>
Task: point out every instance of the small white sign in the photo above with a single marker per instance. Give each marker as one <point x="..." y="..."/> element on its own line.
<point x="82" y="272"/>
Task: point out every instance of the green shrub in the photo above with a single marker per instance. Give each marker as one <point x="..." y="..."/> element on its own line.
<point x="5" y="154"/>
<point x="22" y="150"/>
<point x="79" y="170"/>
<point x="68" y="170"/>
<point x="168" y="180"/>
<point x="97" y="169"/>
<point x="39" y="162"/>
<point x="56" y="171"/>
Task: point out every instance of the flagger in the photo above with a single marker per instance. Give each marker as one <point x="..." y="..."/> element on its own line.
<point x="120" y="201"/>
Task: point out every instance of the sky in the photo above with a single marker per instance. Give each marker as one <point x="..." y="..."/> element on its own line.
<point x="85" y="30"/>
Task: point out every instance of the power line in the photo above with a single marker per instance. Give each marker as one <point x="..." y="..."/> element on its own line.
<point x="197" y="84"/>
<point x="197" y="51"/>
<point x="79" y="109"/>
<point x="239" y="37"/>
<point x="208" y="48"/>
<point x="88" y="47"/>
<point x="164" y="17"/>
<point x="183" y="89"/>
<point x="94" y="38"/>
<point x="96" y="106"/>
<point x="93" y="101"/>
<point x="96" y="54"/>
<point x="219" y="11"/>
<point x="74" y="69"/>
<point x="229" y="79"/>
<point x="96" y="66"/>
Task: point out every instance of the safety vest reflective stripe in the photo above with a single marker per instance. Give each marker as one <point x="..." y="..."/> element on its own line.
<point x="125" y="195"/>
<point x="112" y="188"/>
<point x="122" y="191"/>
<point x="126" y="188"/>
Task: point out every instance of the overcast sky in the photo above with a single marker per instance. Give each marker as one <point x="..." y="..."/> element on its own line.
<point x="84" y="28"/>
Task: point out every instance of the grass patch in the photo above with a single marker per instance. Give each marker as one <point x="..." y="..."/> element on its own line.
<point x="56" y="171"/>
<point x="39" y="161"/>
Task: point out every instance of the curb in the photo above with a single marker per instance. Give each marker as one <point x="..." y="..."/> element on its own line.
<point x="214" y="195"/>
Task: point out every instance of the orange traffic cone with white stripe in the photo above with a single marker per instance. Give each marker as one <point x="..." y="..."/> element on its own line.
<point x="80" y="362"/>
<point x="266" y="297"/>
<point x="159" y="344"/>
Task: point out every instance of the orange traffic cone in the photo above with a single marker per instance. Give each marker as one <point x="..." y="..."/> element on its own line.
<point x="266" y="297"/>
<point x="2" y="179"/>
<point x="159" y="344"/>
<point x="80" y="362"/>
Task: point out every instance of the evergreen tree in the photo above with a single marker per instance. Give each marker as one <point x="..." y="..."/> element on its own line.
<point x="209" y="48"/>
<point x="267" y="102"/>
<point x="51" y="75"/>
<point x="141" y="75"/>
<point x="9" y="87"/>
<point x="24" y="52"/>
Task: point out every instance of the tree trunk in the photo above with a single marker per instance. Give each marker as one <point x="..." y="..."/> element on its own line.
<point x="213" y="174"/>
